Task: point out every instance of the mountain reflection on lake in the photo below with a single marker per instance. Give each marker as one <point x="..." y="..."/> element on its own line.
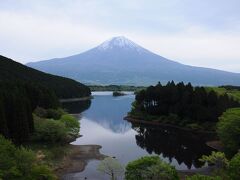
<point x="102" y="124"/>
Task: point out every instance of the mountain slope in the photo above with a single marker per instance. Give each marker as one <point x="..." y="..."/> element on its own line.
<point x="63" y="87"/>
<point x="121" y="61"/>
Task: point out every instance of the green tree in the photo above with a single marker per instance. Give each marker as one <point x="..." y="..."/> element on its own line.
<point x="216" y="158"/>
<point x="72" y="124"/>
<point x="234" y="167"/>
<point x="49" y="130"/>
<point x="21" y="163"/>
<point x="150" y="167"/>
<point x="228" y="130"/>
<point x="111" y="167"/>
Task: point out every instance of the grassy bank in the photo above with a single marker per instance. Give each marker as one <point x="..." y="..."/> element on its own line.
<point x="234" y="93"/>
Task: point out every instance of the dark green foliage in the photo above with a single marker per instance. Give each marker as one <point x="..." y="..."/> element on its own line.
<point x="223" y="168"/>
<point x="71" y="123"/>
<point x="194" y="104"/>
<point x="62" y="87"/>
<point x="150" y="167"/>
<point x="17" y="101"/>
<point x="22" y="89"/>
<point x="60" y="130"/>
<point x="228" y="129"/>
<point x="21" y="163"/>
<point x="234" y="167"/>
<point x="49" y="130"/>
<point x="49" y="113"/>
<point x="216" y="158"/>
<point x="118" y="93"/>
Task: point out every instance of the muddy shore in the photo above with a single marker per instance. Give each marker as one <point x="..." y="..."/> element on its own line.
<point x="78" y="157"/>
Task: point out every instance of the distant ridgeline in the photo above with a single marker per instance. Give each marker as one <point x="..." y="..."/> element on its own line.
<point x="22" y="89"/>
<point x="115" y="88"/>
<point x="181" y="104"/>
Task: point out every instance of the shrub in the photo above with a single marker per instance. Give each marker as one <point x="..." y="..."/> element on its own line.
<point x="49" y="130"/>
<point x="203" y="177"/>
<point x="234" y="167"/>
<point x="150" y="167"/>
<point x="49" y="113"/>
<point x="217" y="158"/>
<point x="71" y="123"/>
<point x="21" y="163"/>
<point x="41" y="172"/>
<point x="111" y="166"/>
<point x="55" y="113"/>
<point x="228" y="129"/>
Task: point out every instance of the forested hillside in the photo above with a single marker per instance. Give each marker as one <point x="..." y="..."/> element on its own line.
<point x="182" y="104"/>
<point x="22" y="89"/>
<point x="17" y="102"/>
<point x="62" y="87"/>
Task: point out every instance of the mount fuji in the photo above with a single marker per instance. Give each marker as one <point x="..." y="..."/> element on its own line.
<point x="121" y="61"/>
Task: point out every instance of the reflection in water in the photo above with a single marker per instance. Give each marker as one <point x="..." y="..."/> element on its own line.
<point x="184" y="147"/>
<point x="76" y="107"/>
<point x="103" y="124"/>
<point x="109" y="111"/>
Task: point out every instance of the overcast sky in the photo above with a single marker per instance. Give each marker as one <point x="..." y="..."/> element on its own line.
<point x="195" y="32"/>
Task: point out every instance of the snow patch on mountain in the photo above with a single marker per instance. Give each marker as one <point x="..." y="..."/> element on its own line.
<point x="120" y="42"/>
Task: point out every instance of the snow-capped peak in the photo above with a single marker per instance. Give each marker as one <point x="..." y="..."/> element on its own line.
<point x="119" y="42"/>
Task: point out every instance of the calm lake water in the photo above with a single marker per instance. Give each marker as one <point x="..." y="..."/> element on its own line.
<point x="102" y="124"/>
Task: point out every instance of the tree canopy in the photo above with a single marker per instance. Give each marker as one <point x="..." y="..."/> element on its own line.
<point x="62" y="87"/>
<point x="228" y="129"/>
<point x="190" y="103"/>
<point x="150" y="167"/>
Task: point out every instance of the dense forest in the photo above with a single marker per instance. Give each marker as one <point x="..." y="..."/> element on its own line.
<point x="22" y="89"/>
<point x="17" y="102"/>
<point x="188" y="103"/>
<point x="62" y="87"/>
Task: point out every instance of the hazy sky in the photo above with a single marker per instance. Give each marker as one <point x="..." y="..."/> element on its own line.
<point x="196" y="32"/>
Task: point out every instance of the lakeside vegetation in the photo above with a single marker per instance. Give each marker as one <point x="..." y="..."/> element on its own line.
<point x="35" y="131"/>
<point x="153" y="167"/>
<point x="118" y="93"/>
<point x="181" y="105"/>
<point x="217" y="108"/>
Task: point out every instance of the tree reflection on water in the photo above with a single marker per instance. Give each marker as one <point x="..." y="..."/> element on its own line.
<point x="185" y="147"/>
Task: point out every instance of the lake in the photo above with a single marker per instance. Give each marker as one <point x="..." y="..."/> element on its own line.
<point x="102" y="124"/>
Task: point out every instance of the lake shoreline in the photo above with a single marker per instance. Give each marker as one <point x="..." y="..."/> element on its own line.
<point x="77" y="159"/>
<point x="142" y="121"/>
<point x="76" y="99"/>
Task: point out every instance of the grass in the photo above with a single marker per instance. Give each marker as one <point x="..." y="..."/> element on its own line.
<point x="220" y="90"/>
<point x="53" y="154"/>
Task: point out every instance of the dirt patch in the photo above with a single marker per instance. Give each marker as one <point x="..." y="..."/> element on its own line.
<point x="215" y="145"/>
<point x="78" y="157"/>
